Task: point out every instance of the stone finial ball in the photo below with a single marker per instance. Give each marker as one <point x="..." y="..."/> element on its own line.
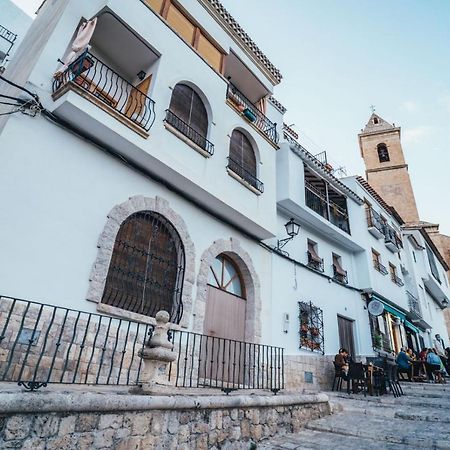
<point x="162" y="316"/>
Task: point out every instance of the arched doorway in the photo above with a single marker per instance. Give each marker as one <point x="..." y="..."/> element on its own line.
<point x="226" y="300"/>
<point x="223" y="350"/>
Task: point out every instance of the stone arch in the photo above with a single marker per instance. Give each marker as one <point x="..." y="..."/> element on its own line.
<point x="105" y="246"/>
<point x="232" y="248"/>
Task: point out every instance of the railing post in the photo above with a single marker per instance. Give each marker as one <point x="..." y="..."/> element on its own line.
<point x="157" y="354"/>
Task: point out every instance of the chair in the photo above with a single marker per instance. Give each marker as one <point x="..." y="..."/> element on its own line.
<point x="337" y="380"/>
<point x="358" y="378"/>
<point x="391" y="378"/>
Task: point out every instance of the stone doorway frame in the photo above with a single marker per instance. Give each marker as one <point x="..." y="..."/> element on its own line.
<point x="232" y="248"/>
<point x="105" y="246"/>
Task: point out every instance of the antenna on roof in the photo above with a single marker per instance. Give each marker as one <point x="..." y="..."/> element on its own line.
<point x="372" y="108"/>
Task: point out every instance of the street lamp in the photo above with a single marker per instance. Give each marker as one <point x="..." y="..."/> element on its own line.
<point x="292" y="229"/>
<point x="444" y="303"/>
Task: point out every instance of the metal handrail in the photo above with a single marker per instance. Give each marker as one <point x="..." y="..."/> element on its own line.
<point x="246" y="175"/>
<point x="97" y="78"/>
<point x="226" y="364"/>
<point x="254" y="115"/>
<point x="189" y="132"/>
<point x="47" y="344"/>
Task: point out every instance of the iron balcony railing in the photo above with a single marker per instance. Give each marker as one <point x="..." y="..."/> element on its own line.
<point x="246" y="175"/>
<point x="314" y="264"/>
<point x="391" y="236"/>
<point x="252" y="113"/>
<point x="10" y="38"/>
<point x="380" y="268"/>
<point x="374" y="219"/>
<point x="398" y="281"/>
<point x="98" y="79"/>
<point x="42" y="344"/>
<point x="326" y="208"/>
<point x="226" y="364"/>
<point x="340" y="277"/>
<point x="414" y="304"/>
<point x="186" y="130"/>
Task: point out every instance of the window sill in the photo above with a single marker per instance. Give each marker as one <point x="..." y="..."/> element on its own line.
<point x="186" y="140"/>
<point x="243" y="182"/>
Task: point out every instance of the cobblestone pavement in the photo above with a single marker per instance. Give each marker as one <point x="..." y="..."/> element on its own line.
<point x="418" y="420"/>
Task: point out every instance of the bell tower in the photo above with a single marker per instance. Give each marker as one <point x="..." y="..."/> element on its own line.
<point x="386" y="169"/>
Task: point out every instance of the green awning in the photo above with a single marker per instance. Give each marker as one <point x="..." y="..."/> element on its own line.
<point x="411" y="326"/>
<point x="394" y="311"/>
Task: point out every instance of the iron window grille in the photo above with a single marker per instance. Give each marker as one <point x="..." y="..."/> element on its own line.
<point x="314" y="263"/>
<point x="340" y="277"/>
<point x="243" y="173"/>
<point x="146" y="271"/>
<point x="380" y="268"/>
<point x="311" y="327"/>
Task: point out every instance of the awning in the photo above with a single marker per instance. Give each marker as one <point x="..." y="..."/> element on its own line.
<point x="411" y="326"/>
<point x="391" y="309"/>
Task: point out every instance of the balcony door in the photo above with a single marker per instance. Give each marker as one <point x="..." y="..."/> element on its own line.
<point x="223" y="352"/>
<point x="346" y="338"/>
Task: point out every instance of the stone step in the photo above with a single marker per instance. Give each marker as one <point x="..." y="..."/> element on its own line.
<point x="420" y="434"/>
<point x="321" y="440"/>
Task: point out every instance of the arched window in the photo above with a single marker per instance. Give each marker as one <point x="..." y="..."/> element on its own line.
<point x="147" y="267"/>
<point x="242" y="159"/>
<point x="383" y="153"/>
<point x="187" y="105"/>
<point x="224" y="275"/>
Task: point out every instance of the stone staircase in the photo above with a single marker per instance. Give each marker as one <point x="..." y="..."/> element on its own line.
<point x="418" y="420"/>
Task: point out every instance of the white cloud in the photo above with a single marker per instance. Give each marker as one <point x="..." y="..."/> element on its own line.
<point x="417" y="134"/>
<point x="409" y="106"/>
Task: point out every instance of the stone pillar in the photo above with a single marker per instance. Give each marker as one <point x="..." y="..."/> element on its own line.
<point x="157" y="355"/>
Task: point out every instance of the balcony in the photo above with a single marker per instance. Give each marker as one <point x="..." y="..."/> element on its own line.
<point x="414" y="305"/>
<point x="380" y="268"/>
<point x="244" y="176"/>
<point x="339" y="275"/>
<point x="7" y="39"/>
<point x="196" y="139"/>
<point x="101" y="85"/>
<point x="391" y="239"/>
<point x="398" y="281"/>
<point x="314" y="262"/>
<point x="238" y="101"/>
<point x="317" y="201"/>
<point x="374" y="223"/>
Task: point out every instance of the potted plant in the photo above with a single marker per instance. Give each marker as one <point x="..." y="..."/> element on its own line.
<point x="249" y="114"/>
<point x="377" y="340"/>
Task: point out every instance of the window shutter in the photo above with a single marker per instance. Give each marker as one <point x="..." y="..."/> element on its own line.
<point x="181" y="24"/>
<point x="209" y="52"/>
<point x="241" y="151"/>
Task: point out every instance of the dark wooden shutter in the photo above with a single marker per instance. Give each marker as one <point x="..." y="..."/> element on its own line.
<point x="147" y="267"/>
<point x="346" y="339"/>
<point x="187" y="105"/>
<point x="241" y="151"/>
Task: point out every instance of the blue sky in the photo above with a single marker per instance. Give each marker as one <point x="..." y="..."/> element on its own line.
<point x="338" y="57"/>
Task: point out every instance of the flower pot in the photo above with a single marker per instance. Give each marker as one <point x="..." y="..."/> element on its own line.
<point x="249" y="115"/>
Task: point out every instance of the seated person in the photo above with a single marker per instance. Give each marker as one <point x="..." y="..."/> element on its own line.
<point x="341" y="362"/>
<point x="434" y="365"/>
<point x="404" y="363"/>
<point x="423" y="354"/>
<point x="411" y="354"/>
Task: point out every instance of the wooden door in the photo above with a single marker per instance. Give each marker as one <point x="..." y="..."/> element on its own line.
<point x="136" y="103"/>
<point x="346" y="339"/>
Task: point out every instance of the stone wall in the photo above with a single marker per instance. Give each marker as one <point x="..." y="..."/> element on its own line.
<point x="308" y="372"/>
<point x="125" y="422"/>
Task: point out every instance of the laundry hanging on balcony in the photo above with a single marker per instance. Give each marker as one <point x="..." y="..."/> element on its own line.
<point x="79" y="44"/>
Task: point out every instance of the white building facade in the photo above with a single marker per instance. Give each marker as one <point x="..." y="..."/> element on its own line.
<point x="154" y="173"/>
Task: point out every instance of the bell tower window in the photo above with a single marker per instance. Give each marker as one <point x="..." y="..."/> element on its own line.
<point x="383" y="153"/>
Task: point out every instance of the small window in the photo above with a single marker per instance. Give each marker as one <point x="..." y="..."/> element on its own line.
<point x="375" y="257"/>
<point x="383" y="153"/>
<point x="224" y="275"/>
<point x="414" y="256"/>
<point x="376" y="121"/>
<point x="393" y="272"/>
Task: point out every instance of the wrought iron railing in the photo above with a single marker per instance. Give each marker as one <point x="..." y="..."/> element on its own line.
<point x="193" y="135"/>
<point x="391" y="236"/>
<point x="398" y="281"/>
<point x="414" y="304"/>
<point x="340" y="277"/>
<point x="98" y="79"/>
<point x="9" y="37"/>
<point x="314" y="263"/>
<point x="226" y="364"/>
<point x="252" y="113"/>
<point x="246" y="175"/>
<point x="326" y="208"/>
<point x="380" y="267"/>
<point x="374" y="219"/>
<point x="42" y="344"/>
<point x="311" y="327"/>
